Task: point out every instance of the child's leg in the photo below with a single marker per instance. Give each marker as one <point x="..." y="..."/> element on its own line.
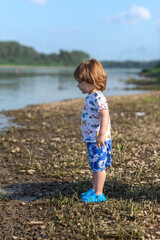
<point x="94" y="181"/>
<point x="99" y="180"/>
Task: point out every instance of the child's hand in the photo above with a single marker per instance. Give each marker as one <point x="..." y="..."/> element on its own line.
<point x="100" y="141"/>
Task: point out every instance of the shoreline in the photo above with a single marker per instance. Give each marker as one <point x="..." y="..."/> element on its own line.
<point x="31" y="66"/>
<point x="44" y="168"/>
<point x="72" y="99"/>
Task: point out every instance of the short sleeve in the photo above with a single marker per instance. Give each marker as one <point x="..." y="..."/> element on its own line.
<point x="100" y="102"/>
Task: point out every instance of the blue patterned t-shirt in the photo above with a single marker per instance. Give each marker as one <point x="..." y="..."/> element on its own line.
<point x="90" y="120"/>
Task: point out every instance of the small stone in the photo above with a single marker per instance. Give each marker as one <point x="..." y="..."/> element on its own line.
<point x="14" y="237"/>
<point x="17" y="149"/>
<point x="157" y="180"/>
<point x="143" y="182"/>
<point x="23" y="203"/>
<point x="140" y="114"/>
<point x="22" y="171"/>
<point x="83" y="152"/>
<point x="31" y="171"/>
<point x="56" y="139"/>
<point x="56" y="166"/>
<point x="143" y="197"/>
<point x="43" y="227"/>
<point x="157" y="233"/>
<point x="151" y="227"/>
<point x="147" y="235"/>
<point x="35" y="222"/>
<point x="29" y="115"/>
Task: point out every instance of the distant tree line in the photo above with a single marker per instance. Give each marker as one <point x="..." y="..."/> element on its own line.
<point x="14" y="53"/>
<point x="130" y="64"/>
<point x="154" y="72"/>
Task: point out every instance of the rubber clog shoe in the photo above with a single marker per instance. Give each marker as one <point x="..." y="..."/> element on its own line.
<point x="90" y="191"/>
<point x="94" y="198"/>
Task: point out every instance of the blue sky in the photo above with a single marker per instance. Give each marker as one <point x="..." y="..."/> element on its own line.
<point x="107" y="30"/>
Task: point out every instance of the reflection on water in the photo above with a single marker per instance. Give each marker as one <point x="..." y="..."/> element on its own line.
<point x="5" y="122"/>
<point x="41" y="85"/>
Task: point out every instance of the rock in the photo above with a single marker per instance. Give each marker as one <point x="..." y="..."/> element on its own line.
<point x="140" y="114"/>
<point x="22" y="171"/>
<point x="56" y="166"/>
<point x="56" y="139"/>
<point x="157" y="233"/>
<point x="17" y="149"/>
<point x="157" y="180"/>
<point x="31" y="171"/>
<point x="147" y="235"/>
<point x="143" y="182"/>
<point x="43" y="227"/>
<point x="35" y="222"/>
<point x="143" y="197"/>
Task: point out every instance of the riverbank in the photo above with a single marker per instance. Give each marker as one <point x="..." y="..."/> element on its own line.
<point x="145" y="84"/>
<point x="31" y="66"/>
<point x="151" y="80"/>
<point x="44" y="168"/>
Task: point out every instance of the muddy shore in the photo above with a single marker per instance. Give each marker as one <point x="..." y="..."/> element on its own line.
<point x="44" y="168"/>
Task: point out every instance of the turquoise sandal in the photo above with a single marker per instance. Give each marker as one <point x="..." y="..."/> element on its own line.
<point x="94" y="198"/>
<point x="90" y="191"/>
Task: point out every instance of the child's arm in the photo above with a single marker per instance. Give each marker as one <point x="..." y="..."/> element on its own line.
<point x="104" y="120"/>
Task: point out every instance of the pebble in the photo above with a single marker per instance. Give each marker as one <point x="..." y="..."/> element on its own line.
<point x="17" y="149"/>
<point x="157" y="233"/>
<point x="83" y="152"/>
<point x="140" y="113"/>
<point x="143" y="197"/>
<point x="35" y="222"/>
<point x="147" y="235"/>
<point x="151" y="227"/>
<point x="56" y="166"/>
<point x="157" y="180"/>
<point x="43" y="227"/>
<point x="31" y="171"/>
<point x="22" y="171"/>
<point x="56" y="139"/>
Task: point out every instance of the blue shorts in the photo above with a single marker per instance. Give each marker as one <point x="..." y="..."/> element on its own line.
<point x="99" y="159"/>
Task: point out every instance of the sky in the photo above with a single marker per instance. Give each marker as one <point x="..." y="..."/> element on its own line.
<point x="105" y="29"/>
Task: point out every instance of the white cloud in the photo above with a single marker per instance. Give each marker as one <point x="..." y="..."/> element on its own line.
<point x="38" y="1"/>
<point x="132" y="16"/>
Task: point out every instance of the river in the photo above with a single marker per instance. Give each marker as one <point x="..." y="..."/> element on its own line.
<point x="42" y="85"/>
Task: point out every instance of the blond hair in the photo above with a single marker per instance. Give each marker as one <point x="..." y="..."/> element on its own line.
<point x="92" y="72"/>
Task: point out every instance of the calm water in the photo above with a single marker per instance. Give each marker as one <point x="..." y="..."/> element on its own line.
<point x="54" y="84"/>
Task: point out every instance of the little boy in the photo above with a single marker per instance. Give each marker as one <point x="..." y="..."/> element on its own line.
<point x="96" y="126"/>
